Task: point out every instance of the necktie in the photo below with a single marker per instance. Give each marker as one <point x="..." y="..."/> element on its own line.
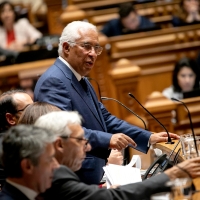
<point x="83" y="84"/>
<point x="85" y="87"/>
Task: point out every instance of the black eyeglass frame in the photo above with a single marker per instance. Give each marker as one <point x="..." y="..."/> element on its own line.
<point x="84" y="139"/>
<point x="98" y="49"/>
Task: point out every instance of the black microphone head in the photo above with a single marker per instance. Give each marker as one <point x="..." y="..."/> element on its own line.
<point x="174" y="99"/>
<point x="131" y="95"/>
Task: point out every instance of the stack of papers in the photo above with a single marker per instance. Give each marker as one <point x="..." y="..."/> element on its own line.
<point x="122" y="175"/>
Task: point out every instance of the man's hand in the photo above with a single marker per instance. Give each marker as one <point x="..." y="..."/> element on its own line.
<point x="120" y="141"/>
<point x="191" y="166"/>
<point x="161" y="137"/>
<point x="115" y="157"/>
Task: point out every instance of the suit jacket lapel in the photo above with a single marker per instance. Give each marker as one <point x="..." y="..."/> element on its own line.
<point x="87" y="99"/>
<point x="75" y="84"/>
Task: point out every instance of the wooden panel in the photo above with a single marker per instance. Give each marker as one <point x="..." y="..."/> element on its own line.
<point x="10" y="76"/>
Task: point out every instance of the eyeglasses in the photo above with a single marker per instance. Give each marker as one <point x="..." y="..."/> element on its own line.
<point x="22" y="108"/>
<point x="88" y="47"/>
<point x="81" y="139"/>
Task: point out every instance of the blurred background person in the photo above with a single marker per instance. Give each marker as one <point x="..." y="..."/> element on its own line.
<point x="12" y="103"/>
<point x="189" y="13"/>
<point x="128" y="22"/>
<point x="34" y="111"/>
<point x="14" y="32"/>
<point x="185" y="78"/>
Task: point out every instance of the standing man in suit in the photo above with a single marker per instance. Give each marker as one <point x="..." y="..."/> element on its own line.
<point x="65" y="86"/>
<point x="28" y="160"/>
<point x="70" y="150"/>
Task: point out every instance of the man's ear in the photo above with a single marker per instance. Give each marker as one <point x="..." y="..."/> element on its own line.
<point x="58" y="145"/>
<point x="66" y="47"/>
<point x="27" y="166"/>
<point x="11" y="119"/>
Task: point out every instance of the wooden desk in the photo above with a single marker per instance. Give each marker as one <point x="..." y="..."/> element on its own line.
<point x="168" y="148"/>
<point x="12" y="74"/>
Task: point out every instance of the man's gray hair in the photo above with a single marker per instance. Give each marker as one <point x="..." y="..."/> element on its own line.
<point x="24" y="142"/>
<point x="58" y="122"/>
<point x="72" y="32"/>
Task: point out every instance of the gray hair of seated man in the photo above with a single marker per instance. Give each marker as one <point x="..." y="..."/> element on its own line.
<point x="58" y="122"/>
<point x="21" y="142"/>
<point x="72" y="32"/>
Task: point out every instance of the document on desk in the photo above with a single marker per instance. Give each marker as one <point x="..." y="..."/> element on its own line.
<point x="121" y="175"/>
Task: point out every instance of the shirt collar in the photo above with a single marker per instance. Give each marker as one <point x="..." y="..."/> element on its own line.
<point x="78" y="76"/>
<point x="29" y="193"/>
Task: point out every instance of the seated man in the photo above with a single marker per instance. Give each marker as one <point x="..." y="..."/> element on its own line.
<point x="70" y="150"/>
<point x="28" y="160"/>
<point x="12" y="103"/>
<point x="129" y="22"/>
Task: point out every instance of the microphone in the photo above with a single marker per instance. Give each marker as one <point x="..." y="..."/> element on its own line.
<point x="191" y="125"/>
<point x="107" y="98"/>
<point x="169" y="141"/>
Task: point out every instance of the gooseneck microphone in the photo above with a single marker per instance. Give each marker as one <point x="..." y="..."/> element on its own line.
<point x="169" y="140"/>
<point x="191" y="125"/>
<point x="107" y="98"/>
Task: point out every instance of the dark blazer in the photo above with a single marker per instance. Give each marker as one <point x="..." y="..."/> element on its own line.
<point x="115" y="28"/>
<point x="67" y="185"/>
<point x="59" y="86"/>
<point x="9" y="192"/>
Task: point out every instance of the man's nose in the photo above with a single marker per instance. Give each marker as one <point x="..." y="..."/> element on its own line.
<point x="88" y="147"/>
<point x="92" y="52"/>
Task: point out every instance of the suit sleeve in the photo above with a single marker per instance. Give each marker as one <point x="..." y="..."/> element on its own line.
<point x="115" y="125"/>
<point x="69" y="187"/>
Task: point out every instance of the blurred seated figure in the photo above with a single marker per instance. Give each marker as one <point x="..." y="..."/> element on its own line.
<point x="34" y="111"/>
<point x="185" y="78"/>
<point x="189" y="13"/>
<point x="12" y="103"/>
<point x="37" y="6"/>
<point x="14" y="33"/>
<point x="128" y="22"/>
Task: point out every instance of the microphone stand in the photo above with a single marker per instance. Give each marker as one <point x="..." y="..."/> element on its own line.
<point x="191" y="125"/>
<point x="169" y="140"/>
<point x="107" y="98"/>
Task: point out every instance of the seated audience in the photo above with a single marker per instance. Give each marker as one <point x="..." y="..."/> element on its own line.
<point x="14" y="33"/>
<point x="29" y="163"/>
<point x="12" y="103"/>
<point x="70" y="150"/>
<point x="37" y="6"/>
<point x="128" y="22"/>
<point x="189" y="13"/>
<point x="37" y="109"/>
<point x="185" y="78"/>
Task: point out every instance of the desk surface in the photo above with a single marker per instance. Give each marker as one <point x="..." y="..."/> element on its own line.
<point x="167" y="148"/>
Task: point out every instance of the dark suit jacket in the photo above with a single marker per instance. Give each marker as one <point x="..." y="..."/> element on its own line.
<point x="59" y="86"/>
<point x="67" y="185"/>
<point x="9" y="192"/>
<point x="115" y="28"/>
